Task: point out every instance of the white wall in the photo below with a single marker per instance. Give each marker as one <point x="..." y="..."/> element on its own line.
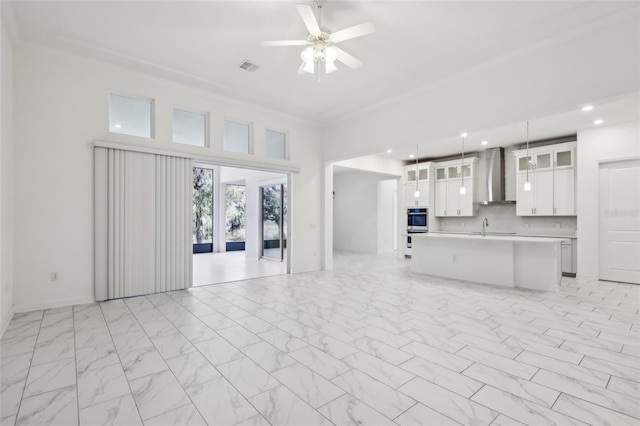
<point x="598" y="145"/>
<point x="374" y="163"/>
<point x="570" y="72"/>
<point x="387" y="190"/>
<point x="6" y="178"/>
<point x="355" y="212"/>
<point x="62" y="108"/>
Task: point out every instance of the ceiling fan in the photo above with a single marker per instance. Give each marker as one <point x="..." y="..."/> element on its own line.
<point x="321" y="42"/>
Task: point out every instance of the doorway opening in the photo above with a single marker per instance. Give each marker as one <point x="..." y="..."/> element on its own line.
<point x="235" y="236"/>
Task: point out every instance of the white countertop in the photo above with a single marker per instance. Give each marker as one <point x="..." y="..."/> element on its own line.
<point x="490" y="237"/>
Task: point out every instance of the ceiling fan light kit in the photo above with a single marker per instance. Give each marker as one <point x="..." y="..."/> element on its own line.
<point x="320" y="43"/>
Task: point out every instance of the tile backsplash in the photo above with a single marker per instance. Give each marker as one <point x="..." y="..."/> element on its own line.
<point x="502" y="218"/>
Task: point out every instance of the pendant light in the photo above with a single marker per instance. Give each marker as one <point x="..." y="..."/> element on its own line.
<point x="463" y="190"/>
<point x="416" y="194"/>
<point x="527" y="182"/>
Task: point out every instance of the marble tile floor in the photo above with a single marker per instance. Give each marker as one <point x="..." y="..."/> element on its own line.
<point x="216" y="268"/>
<point x="368" y="343"/>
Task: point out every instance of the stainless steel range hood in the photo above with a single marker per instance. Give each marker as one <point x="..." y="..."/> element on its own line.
<point x="492" y="180"/>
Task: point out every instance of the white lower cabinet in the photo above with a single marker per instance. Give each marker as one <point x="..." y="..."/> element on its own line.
<point x="569" y="257"/>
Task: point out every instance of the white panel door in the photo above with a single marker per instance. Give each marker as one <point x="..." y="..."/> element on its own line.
<point x="619" y="193"/>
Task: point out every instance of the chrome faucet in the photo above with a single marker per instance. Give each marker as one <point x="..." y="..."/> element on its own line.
<point x="485" y="224"/>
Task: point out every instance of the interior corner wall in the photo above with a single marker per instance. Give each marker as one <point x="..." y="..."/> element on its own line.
<point x="615" y="142"/>
<point x="6" y="178"/>
<point x="61" y="106"/>
<point x="355" y="212"/>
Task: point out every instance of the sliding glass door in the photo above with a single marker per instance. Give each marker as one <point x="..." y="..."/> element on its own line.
<point x="274" y="222"/>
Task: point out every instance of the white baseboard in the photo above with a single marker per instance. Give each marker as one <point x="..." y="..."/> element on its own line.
<point x="58" y="303"/>
<point x="5" y="321"/>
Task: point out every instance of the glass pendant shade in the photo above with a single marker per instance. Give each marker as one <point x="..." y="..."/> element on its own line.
<point x="307" y="57"/>
<point x="527" y="185"/>
<point x="330" y="56"/>
<point x="416" y="194"/>
<point x="463" y="190"/>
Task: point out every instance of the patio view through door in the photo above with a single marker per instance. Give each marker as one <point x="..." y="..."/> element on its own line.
<point x="274" y="221"/>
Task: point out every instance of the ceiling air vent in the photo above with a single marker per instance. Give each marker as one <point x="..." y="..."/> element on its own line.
<point x="248" y="66"/>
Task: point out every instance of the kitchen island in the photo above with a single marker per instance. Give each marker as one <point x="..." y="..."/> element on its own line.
<point x="505" y="260"/>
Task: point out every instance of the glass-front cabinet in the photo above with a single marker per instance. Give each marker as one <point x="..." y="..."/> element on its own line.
<point x="421" y="170"/>
<point x="564" y="158"/>
<point x="450" y="177"/>
<point x="551" y="172"/>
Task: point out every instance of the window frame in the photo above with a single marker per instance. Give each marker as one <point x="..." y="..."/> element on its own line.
<point x="207" y="128"/>
<point x="152" y="113"/>
<point x="286" y="142"/>
<point x="250" y="145"/>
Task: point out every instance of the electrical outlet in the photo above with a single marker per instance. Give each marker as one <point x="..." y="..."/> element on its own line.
<point x="557" y="226"/>
<point x="54" y="276"/>
<point x="526" y="226"/>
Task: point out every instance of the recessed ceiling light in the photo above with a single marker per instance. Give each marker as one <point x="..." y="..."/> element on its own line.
<point x="118" y="126"/>
<point x="389" y="150"/>
<point x="484" y="142"/>
<point x="598" y="121"/>
<point x="412" y="156"/>
<point x="587" y="108"/>
<point x="464" y="135"/>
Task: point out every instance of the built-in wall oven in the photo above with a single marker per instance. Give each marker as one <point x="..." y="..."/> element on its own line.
<point x="417" y="223"/>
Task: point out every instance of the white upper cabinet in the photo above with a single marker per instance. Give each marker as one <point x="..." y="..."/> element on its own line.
<point x="421" y="171"/>
<point x="449" y="177"/>
<point x="564" y="158"/>
<point x="564" y="200"/>
<point x="409" y="195"/>
<point x="551" y="171"/>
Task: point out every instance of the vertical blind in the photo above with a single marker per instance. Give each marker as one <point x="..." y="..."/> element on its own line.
<point x="142" y="225"/>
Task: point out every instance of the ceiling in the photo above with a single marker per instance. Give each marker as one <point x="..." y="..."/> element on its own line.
<point x="612" y="111"/>
<point x="417" y="44"/>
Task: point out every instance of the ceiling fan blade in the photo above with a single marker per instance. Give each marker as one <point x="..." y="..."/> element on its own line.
<point x="309" y="18"/>
<point x="284" y="43"/>
<point x="353" y="32"/>
<point x="347" y="59"/>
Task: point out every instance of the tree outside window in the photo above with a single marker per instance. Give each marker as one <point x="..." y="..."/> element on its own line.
<point x="236" y="213"/>
<point x="202" y="205"/>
